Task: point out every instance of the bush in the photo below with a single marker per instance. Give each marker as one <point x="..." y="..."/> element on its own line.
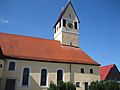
<point x="61" y="86"/>
<point x="104" y="85"/>
<point x="52" y="86"/>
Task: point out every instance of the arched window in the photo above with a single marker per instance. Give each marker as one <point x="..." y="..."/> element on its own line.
<point x="25" y="78"/>
<point x="11" y="66"/>
<point x="59" y="75"/>
<point x="43" y="77"/>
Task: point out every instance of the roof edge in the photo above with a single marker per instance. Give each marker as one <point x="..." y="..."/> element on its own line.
<point x="28" y="36"/>
<point x="41" y="60"/>
<point x="70" y="46"/>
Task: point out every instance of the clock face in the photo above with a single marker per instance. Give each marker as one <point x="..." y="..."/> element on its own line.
<point x="70" y="25"/>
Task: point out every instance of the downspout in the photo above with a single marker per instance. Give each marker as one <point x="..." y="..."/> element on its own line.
<point x="70" y="73"/>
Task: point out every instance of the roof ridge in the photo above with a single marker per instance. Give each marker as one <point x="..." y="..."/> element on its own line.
<point x="28" y="36"/>
<point x="108" y="65"/>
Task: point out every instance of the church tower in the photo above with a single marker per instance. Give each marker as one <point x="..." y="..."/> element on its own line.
<point x="67" y="26"/>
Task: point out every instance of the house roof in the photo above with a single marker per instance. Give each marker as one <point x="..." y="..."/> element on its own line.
<point x="63" y="11"/>
<point x="104" y="71"/>
<point x="31" y="48"/>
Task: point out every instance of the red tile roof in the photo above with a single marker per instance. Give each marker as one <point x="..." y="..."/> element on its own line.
<point x="24" y="47"/>
<point x="104" y="71"/>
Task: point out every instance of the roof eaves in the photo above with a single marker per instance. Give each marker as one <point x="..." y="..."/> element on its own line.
<point x="49" y="60"/>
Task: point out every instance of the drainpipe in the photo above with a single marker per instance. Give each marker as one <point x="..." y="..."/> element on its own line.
<point x="70" y="74"/>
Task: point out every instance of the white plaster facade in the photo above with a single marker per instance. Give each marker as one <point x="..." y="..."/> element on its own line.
<point x="73" y="74"/>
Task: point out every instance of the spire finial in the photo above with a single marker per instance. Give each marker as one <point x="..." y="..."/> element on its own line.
<point x="69" y="0"/>
<point x="62" y="8"/>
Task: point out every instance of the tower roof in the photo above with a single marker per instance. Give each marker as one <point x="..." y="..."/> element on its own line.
<point x="64" y="10"/>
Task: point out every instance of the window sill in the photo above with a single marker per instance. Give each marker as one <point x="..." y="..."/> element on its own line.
<point x="25" y="86"/>
<point x="43" y="86"/>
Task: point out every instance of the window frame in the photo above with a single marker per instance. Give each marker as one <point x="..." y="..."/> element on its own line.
<point x="54" y="30"/>
<point x="82" y="71"/>
<point x="29" y="80"/>
<point x="46" y="78"/>
<point x="70" y="15"/>
<point x="9" y="65"/>
<point x="76" y="84"/>
<point x="62" y="73"/>
<point x="60" y="24"/>
<point x="76" y="25"/>
<point x="64" y="22"/>
<point x="91" y="71"/>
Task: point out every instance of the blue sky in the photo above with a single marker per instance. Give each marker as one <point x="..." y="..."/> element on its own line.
<point x="99" y="28"/>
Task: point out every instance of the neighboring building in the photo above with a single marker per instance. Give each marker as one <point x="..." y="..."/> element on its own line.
<point x="29" y="63"/>
<point x="109" y="72"/>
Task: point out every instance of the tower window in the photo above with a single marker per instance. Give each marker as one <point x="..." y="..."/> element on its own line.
<point x="64" y="22"/>
<point x="82" y="70"/>
<point x="60" y="24"/>
<point x="91" y="71"/>
<point x="59" y="75"/>
<point x="55" y="30"/>
<point x="75" y="23"/>
<point x="70" y="15"/>
<point x="43" y="77"/>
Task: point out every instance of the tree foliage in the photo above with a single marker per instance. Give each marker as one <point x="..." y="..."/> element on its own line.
<point x="104" y="85"/>
<point x="62" y="86"/>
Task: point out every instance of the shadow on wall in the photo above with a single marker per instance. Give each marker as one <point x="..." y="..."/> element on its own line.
<point x="33" y="85"/>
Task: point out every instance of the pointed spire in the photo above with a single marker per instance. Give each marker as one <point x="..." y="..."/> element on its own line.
<point x="63" y="11"/>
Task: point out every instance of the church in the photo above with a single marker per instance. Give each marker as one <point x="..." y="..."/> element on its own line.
<point x="31" y="63"/>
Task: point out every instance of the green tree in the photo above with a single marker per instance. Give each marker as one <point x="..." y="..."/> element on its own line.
<point x="62" y="86"/>
<point x="70" y="86"/>
<point x="104" y="85"/>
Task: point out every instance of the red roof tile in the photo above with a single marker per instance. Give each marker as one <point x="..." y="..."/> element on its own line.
<point x="24" y="47"/>
<point x="104" y="71"/>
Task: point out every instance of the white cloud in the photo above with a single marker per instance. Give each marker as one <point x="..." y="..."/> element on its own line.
<point x="3" y="20"/>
